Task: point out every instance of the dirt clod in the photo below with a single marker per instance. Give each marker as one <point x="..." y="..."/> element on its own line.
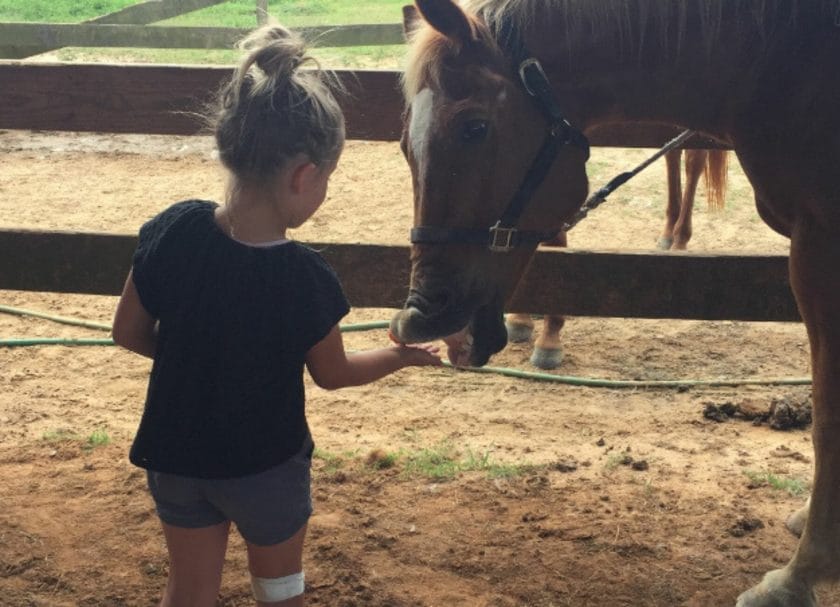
<point x="743" y="526"/>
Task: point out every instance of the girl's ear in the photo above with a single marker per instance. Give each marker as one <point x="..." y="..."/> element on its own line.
<point x="447" y="18"/>
<point x="302" y="176"/>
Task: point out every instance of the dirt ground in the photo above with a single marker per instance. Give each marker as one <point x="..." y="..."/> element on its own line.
<point x="567" y="496"/>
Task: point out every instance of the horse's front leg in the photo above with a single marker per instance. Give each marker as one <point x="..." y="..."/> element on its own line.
<point x="548" y="353"/>
<point x="815" y="278"/>
<point x="519" y="327"/>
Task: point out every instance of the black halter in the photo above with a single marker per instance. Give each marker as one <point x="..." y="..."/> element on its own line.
<point x="503" y="236"/>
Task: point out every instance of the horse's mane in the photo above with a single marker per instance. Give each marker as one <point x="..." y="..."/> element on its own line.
<point x="764" y="13"/>
<point x="427" y="50"/>
<point x="667" y="20"/>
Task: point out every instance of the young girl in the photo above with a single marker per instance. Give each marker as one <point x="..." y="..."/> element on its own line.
<point x="231" y="311"/>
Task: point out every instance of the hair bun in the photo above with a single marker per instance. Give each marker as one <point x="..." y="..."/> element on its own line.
<point x="267" y="114"/>
<point x="275" y="50"/>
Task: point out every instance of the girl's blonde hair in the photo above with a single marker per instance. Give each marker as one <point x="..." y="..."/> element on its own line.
<point x="270" y="110"/>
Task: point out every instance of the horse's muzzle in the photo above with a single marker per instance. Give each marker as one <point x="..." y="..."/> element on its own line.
<point x="481" y="327"/>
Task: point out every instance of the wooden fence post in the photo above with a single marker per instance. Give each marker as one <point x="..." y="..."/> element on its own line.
<point x="262" y="12"/>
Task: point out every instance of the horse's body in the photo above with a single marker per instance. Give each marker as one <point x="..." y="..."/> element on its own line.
<point x="759" y="75"/>
<point x="548" y="351"/>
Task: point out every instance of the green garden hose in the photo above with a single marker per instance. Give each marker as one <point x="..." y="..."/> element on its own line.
<point x="18" y="342"/>
<point x="59" y="319"/>
<point x="383" y="324"/>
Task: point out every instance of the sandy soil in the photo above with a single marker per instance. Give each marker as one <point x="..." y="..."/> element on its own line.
<point x="568" y="496"/>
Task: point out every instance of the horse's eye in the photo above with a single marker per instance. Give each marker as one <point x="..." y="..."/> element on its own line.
<point x="474" y="131"/>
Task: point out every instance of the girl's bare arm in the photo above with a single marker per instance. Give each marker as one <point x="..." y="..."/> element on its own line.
<point x="134" y="328"/>
<point x="332" y="368"/>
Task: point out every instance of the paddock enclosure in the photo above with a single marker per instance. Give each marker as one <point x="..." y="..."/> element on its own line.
<point x="558" y="494"/>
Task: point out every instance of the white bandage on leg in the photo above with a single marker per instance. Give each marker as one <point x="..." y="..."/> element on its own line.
<point x="274" y="590"/>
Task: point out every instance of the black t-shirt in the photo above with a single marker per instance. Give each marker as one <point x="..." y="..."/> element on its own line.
<point x="226" y="395"/>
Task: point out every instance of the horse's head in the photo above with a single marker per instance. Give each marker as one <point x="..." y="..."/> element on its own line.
<point x="471" y="134"/>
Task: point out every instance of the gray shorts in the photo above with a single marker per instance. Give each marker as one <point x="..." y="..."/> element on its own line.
<point x="267" y="508"/>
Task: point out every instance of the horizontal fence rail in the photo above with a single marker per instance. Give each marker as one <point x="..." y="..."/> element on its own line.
<point x="137" y="14"/>
<point x="164" y="100"/>
<point x="580" y="283"/>
<point x="124" y="35"/>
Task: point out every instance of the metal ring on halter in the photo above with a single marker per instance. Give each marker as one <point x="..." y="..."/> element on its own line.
<point x="529" y="62"/>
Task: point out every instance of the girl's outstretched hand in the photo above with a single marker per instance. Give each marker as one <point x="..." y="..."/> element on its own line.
<point x="420" y="355"/>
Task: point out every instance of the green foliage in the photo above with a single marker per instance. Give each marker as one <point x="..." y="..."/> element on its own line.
<point x="60" y="435"/>
<point x="234" y="13"/>
<point x="382" y="460"/>
<point x="58" y="11"/>
<point x="98" y="438"/>
<point x="332" y="462"/>
<point x="443" y="462"/>
<point x="793" y="486"/>
<point x="437" y="463"/>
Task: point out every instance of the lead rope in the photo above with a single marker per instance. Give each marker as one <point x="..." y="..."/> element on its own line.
<point x="600" y="196"/>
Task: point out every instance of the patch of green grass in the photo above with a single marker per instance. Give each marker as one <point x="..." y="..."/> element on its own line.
<point x="60" y="435"/>
<point x="98" y="438"/>
<point x="58" y="11"/>
<point x="793" y="486"/>
<point x="437" y="463"/>
<point x="441" y="462"/>
<point x="381" y="460"/>
<point x="444" y="462"/>
<point x="482" y="463"/>
<point x="332" y="462"/>
<point x="234" y="13"/>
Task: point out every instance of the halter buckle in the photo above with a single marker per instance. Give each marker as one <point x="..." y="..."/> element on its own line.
<point x="501" y="239"/>
<point x="523" y="68"/>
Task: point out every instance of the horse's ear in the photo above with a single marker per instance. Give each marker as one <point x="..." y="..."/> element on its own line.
<point x="411" y="19"/>
<point x="447" y="18"/>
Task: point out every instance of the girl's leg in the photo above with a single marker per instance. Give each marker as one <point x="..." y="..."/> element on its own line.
<point x="278" y="561"/>
<point x="196" y="557"/>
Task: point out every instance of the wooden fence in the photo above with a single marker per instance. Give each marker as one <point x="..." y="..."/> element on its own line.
<point x="56" y="35"/>
<point x="159" y="99"/>
<point x="137" y="14"/>
<point x="129" y="28"/>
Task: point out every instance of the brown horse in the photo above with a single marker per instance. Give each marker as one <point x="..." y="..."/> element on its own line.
<point x="698" y="163"/>
<point x="492" y="142"/>
<point x="711" y="164"/>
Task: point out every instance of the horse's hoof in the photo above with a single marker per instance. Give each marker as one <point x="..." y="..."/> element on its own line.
<point x="544" y="358"/>
<point x="778" y="590"/>
<point x="796" y="521"/>
<point x="518" y="333"/>
<point x="664" y="243"/>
